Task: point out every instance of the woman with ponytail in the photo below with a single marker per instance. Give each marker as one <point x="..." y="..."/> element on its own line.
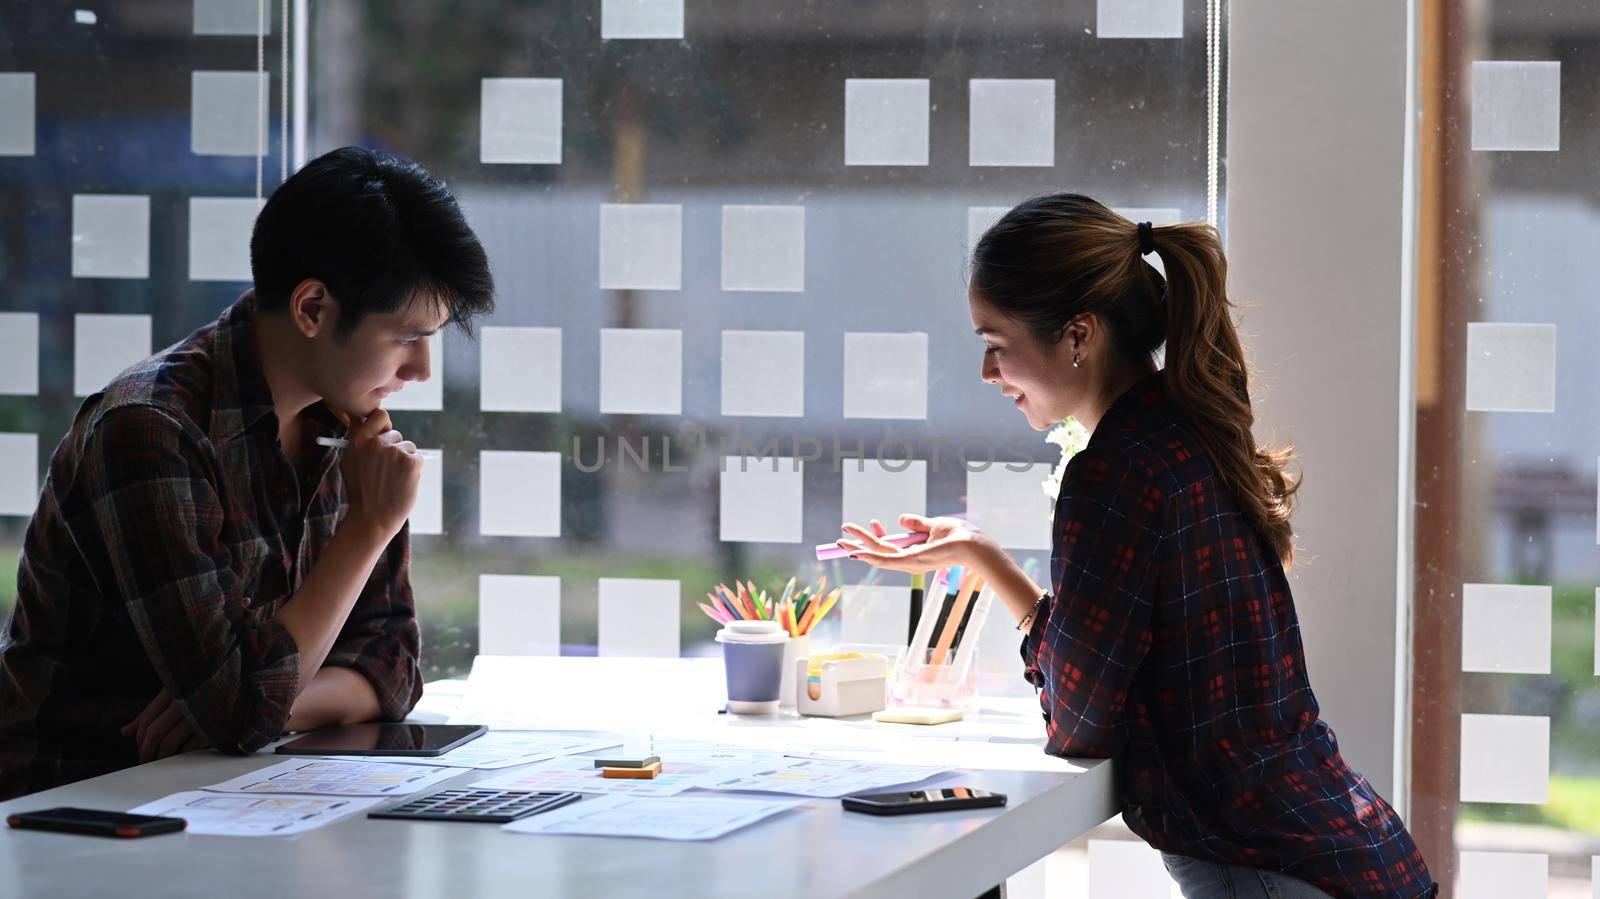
<point x="1167" y="637"/>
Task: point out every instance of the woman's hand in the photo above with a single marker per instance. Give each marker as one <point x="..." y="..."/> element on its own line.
<point x="951" y="541"/>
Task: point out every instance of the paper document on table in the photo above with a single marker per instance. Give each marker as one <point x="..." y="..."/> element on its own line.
<point x="579" y="774"/>
<point x="213" y="814"/>
<point x="328" y="777"/>
<point x="817" y="777"/>
<point x="697" y="817"/>
<point x="503" y="749"/>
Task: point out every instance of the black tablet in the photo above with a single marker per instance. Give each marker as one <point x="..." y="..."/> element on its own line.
<point x="383" y="739"/>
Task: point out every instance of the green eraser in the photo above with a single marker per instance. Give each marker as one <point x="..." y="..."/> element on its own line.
<point x="638" y="761"/>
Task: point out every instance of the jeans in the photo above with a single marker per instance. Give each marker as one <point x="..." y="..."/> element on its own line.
<point x="1200" y="879"/>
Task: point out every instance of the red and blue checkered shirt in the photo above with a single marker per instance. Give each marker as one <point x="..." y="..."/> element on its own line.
<point x="170" y="530"/>
<point x="1170" y="643"/>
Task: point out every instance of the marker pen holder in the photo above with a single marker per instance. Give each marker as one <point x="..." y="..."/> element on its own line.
<point x="939" y="668"/>
<point x="936" y="684"/>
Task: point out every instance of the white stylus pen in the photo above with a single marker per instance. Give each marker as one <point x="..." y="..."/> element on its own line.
<point x="341" y="443"/>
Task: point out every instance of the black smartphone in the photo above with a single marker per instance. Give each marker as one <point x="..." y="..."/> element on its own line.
<point x="96" y="822"/>
<point x="915" y="802"/>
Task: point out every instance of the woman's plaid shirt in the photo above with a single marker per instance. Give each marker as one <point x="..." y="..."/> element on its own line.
<point x="1171" y="644"/>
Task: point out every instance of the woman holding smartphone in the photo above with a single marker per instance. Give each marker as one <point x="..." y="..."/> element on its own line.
<point x="1167" y="637"/>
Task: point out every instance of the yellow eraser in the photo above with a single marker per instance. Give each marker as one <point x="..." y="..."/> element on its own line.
<point x="648" y="772"/>
<point x="913" y="715"/>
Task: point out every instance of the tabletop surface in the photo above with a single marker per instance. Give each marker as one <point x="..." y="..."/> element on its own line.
<point x="816" y="850"/>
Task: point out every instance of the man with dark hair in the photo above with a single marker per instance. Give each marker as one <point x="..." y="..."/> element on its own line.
<point x="200" y="571"/>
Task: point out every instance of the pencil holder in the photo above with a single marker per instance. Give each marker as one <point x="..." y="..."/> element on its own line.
<point x="936" y="685"/>
<point x="840" y="685"/>
<point x="939" y="668"/>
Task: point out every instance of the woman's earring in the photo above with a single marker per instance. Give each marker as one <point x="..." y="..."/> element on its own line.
<point x="1075" y="360"/>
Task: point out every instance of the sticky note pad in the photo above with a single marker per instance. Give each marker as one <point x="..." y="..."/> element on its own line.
<point x="886" y="375"/>
<point x="764" y="248"/>
<point x="626" y="761"/>
<point x="884" y="490"/>
<point x="1497" y="875"/>
<point x="19" y="473"/>
<point x="641" y="19"/>
<point x="645" y="772"/>
<point x="423" y="396"/>
<point x="427" y="516"/>
<point x="519" y="615"/>
<point x="639" y="617"/>
<point x="874" y="613"/>
<point x="1511" y="367"/>
<point x="520" y="120"/>
<point x="520" y="369"/>
<point x="886" y="121"/>
<point x="761" y="499"/>
<point x="1011" y="121"/>
<point x="1505" y="758"/>
<point x="641" y="246"/>
<point x="217" y="17"/>
<point x="110" y="236"/>
<point x="764" y="373"/>
<point x="19" y="353"/>
<point x="519" y="494"/>
<point x="219" y="237"/>
<point x="1505" y="628"/>
<point x="1121" y="869"/>
<point x="103" y="346"/>
<point x="18" y="113"/>
<point x="1138" y="18"/>
<point x="1009" y="504"/>
<point x="980" y="219"/>
<point x="1516" y="105"/>
<point x="641" y="371"/>
<point x="227" y="113"/>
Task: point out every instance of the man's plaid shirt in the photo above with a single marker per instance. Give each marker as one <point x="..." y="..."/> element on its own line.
<point x="170" y="529"/>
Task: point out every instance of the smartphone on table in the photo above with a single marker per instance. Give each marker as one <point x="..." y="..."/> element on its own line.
<point x="95" y="822"/>
<point x="913" y="802"/>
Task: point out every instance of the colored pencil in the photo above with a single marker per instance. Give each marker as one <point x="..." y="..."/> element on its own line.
<point x="827" y="607"/>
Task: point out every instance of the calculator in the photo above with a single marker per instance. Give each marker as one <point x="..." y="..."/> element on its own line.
<point x="482" y="806"/>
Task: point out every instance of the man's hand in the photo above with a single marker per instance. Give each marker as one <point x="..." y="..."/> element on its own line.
<point x="161" y="730"/>
<point x="381" y="473"/>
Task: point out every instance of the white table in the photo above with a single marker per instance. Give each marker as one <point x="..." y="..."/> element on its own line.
<point x="816" y="851"/>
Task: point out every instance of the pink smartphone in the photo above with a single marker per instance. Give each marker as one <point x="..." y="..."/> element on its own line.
<point x="827" y="551"/>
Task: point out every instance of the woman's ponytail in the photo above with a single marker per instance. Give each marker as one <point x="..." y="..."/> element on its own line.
<point x="1209" y="384"/>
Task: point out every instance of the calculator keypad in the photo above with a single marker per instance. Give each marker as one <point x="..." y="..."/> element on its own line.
<point x="485" y="806"/>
